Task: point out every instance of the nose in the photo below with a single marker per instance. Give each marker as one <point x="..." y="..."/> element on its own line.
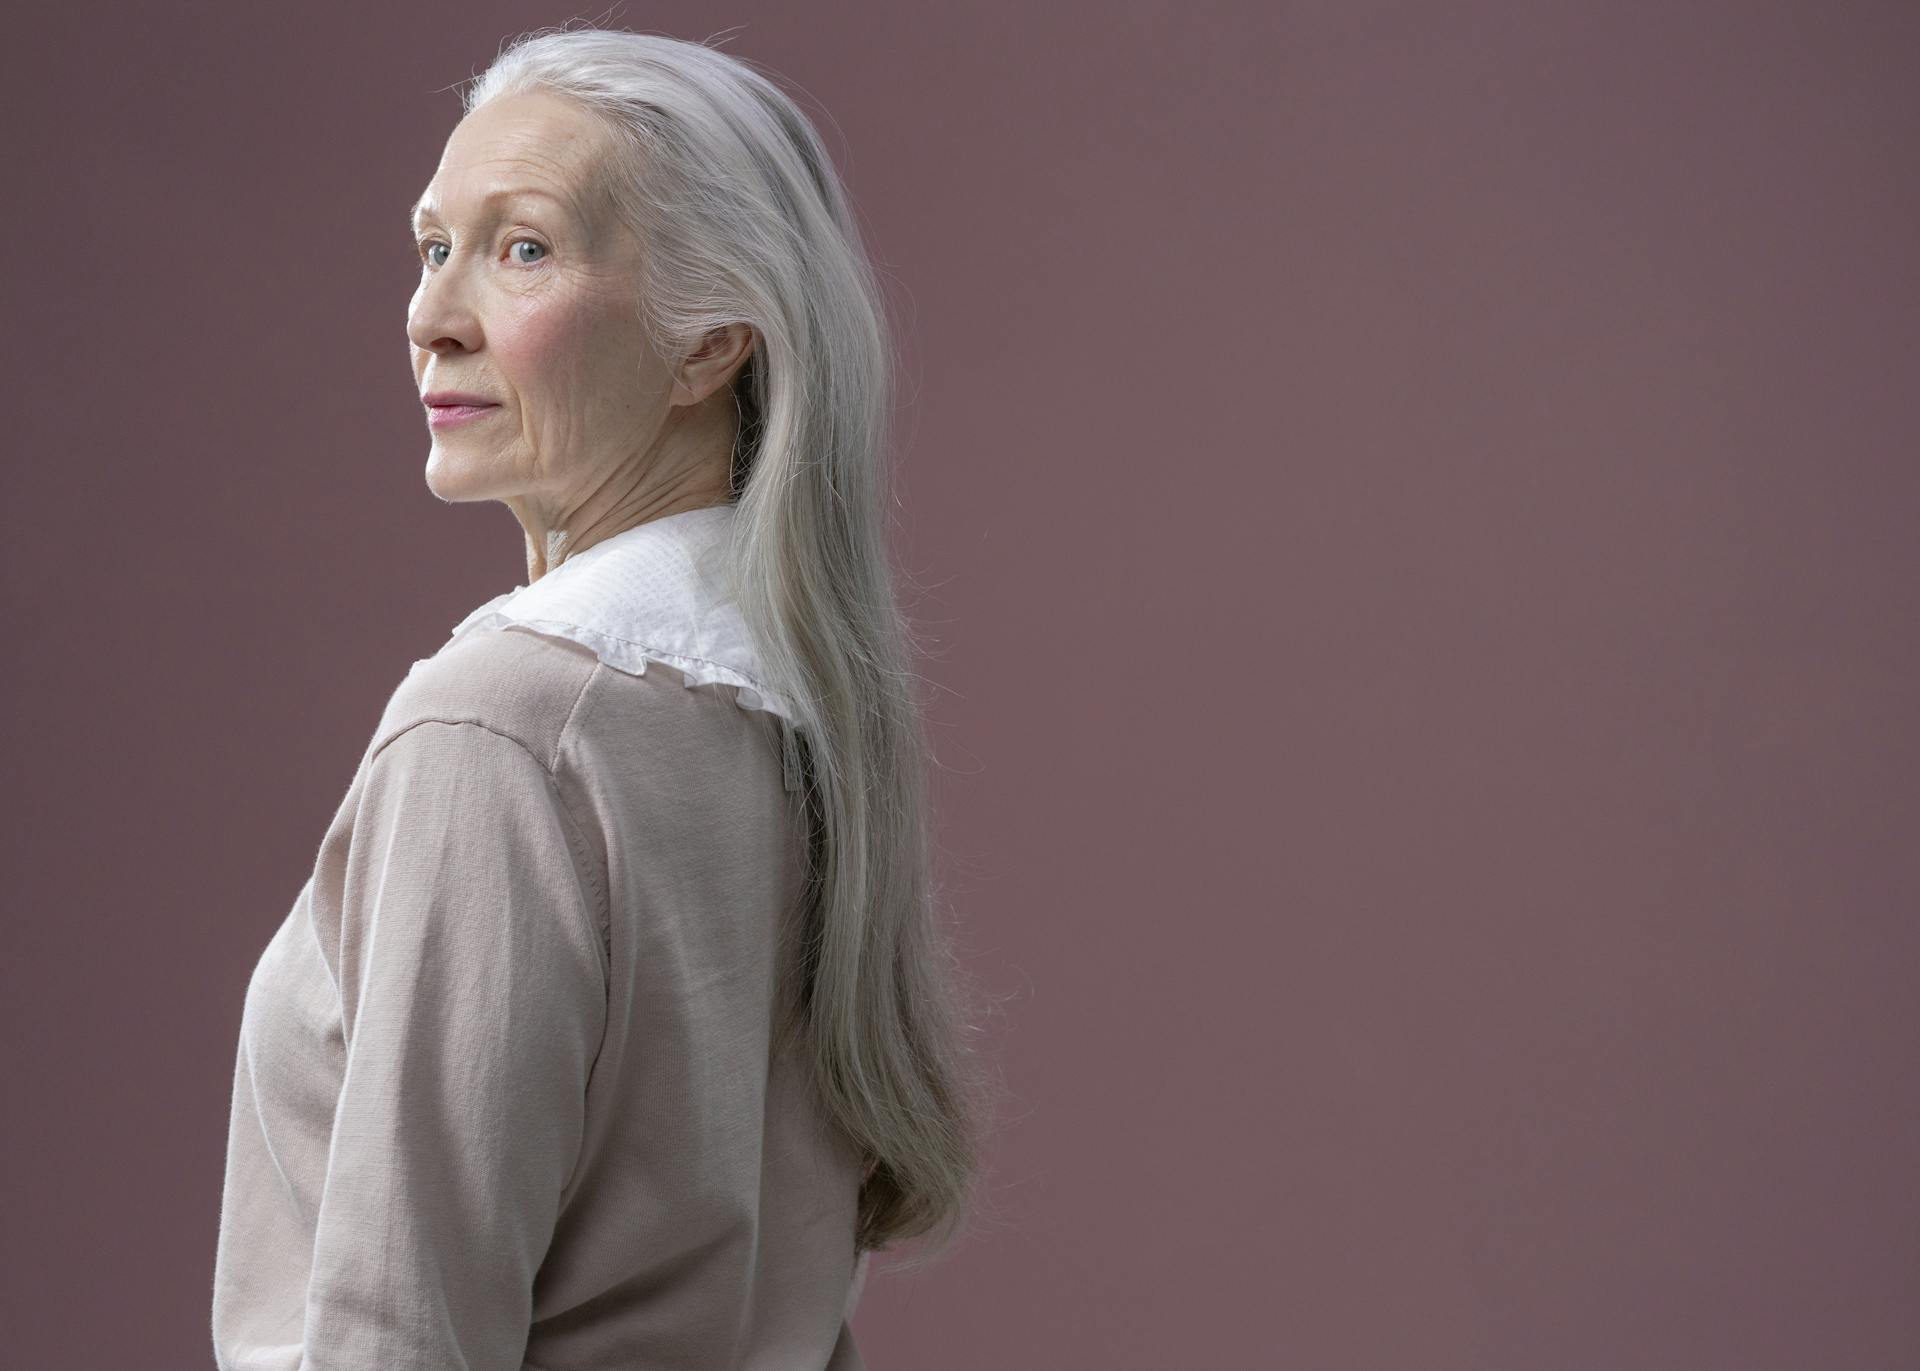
<point x="440" y="320"/>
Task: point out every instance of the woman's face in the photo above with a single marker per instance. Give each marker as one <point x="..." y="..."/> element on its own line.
<point x="527" y="298"/>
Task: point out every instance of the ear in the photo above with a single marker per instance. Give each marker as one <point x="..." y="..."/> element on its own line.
<point x="714" y="362"/>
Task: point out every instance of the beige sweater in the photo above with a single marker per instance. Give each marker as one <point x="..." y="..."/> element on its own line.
<point x="504" y="1095"/>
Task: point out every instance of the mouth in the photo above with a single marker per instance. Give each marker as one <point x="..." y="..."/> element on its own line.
<point x="446" y="416"/>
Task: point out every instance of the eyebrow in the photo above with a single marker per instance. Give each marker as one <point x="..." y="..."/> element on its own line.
<point x="505" y="193"/>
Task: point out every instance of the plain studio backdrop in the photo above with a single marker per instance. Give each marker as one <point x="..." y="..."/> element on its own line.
<point x="1414" y="506"/>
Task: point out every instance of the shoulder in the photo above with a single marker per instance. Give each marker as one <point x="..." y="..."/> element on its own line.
<point x="663" y="718"/>
<point x="523" y="686"/>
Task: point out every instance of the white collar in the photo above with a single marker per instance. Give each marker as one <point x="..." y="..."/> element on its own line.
<point x="660" y="592"/>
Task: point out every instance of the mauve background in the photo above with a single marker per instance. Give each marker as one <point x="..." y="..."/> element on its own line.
<point x="1417" y="509"/>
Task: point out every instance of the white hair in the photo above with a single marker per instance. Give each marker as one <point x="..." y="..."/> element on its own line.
<point x="744" y="219"/>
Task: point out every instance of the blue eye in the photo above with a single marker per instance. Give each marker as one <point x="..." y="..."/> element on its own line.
<point x="431" y="246"/>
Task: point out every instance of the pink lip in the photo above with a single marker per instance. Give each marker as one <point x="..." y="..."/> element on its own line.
<point x="446" y="416"/>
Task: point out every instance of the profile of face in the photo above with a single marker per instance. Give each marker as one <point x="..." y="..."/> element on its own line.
<point x="528" y="299"/>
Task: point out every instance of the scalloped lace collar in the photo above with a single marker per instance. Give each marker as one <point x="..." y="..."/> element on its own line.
<point x="659" y="592"/>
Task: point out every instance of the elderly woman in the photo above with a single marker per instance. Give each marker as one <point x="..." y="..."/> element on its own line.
<point x="614" y="1026"/>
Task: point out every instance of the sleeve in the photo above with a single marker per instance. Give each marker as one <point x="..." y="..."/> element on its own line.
<point x="473" y="1002"/>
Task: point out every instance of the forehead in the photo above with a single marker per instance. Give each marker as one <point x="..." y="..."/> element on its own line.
<point x="534" y="147"/>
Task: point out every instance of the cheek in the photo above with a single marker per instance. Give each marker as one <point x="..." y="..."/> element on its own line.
<point x="542" y="344"/>
<point x="589" y="355"/>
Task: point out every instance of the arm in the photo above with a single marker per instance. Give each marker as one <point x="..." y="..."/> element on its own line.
<point x="473" y="1000"/>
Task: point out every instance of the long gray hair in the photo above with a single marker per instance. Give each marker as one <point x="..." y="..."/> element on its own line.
<point x="744" y="219"/>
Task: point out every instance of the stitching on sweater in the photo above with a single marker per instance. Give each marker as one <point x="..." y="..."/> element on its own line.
<point x="576" y="832"/>
<point x="560" y="738"/>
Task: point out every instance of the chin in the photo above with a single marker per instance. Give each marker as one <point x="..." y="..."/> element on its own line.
<point x="457" y="476"/>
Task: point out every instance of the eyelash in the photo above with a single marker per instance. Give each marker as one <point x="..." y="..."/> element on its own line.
<point x="421" y="246"/>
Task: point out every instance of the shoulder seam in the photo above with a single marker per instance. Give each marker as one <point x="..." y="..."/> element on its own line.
<point x="560" y="737"/>
<point x="409" y="727"/>
<point x="457" y="711"/>
<point x="576" y="832"/>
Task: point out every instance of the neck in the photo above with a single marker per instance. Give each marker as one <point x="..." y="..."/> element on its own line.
<point x="549" y="546"/>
